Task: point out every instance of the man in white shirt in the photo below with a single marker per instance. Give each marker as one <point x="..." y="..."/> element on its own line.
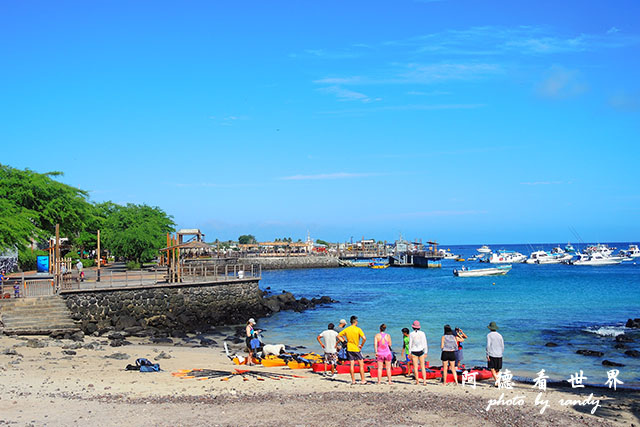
<point x="495" y="349"/>
<point x="330" y="337"/>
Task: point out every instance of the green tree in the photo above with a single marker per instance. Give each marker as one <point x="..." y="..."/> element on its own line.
<point x="32" y="203"/>
<point x="136" y="232"/>
<point x="247" y="239"/>
<point x="323" y="242"/>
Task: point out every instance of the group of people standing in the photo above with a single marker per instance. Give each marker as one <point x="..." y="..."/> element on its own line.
<point x="414" y="349"/>
<point x="347" y="342"/>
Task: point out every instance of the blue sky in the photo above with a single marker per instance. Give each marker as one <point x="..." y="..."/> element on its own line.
<point x="456" y="120"/>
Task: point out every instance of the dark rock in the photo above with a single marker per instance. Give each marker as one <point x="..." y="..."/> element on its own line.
<point x="620" y="346"/>
<point x="551" y="344"/>
<point x="325" y="299"/>
<point x="590" y="353"/>
<point x="69" y="352"/>
<point x="161" y="340"/>
<point x="35" y="343"/>
<point x="610" y="363"/>
<point x="77" y="336"/>
<point x="124" y="322"/>
<point x="118" y="356"/>
<point x="163" y="355"/>
<point x="74" y="346"/>
<point x="132" y="330"/>
<point x="624" y="338"/>
<point x="633" y="323"/>
<point x="11" y="352"/>
<point x="176" y="333"/>
<point x="272" y="304"/>
<point x="207" y="342"/>
<point x="115" y="336"/>
<point x="89" y="327"/>
<point x="632" y="353"/>
<point x="90" y="346"/>
<point x="118" y="343"/>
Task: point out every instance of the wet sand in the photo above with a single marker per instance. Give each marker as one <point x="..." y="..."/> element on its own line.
<point x="45" y="386"/>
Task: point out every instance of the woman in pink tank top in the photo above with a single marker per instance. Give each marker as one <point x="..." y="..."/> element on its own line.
<point x="382" y="346"/>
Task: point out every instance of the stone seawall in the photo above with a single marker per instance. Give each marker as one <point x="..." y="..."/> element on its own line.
<point x="284" y="263"/>
<point x="178" y="308"/>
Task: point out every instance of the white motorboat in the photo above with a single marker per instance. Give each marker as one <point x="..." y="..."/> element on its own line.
<point x="484" y="249"/>
<point x="479" y="272"/>
<point x="597" y="258"/>
<point x="448" y="254"/>
<point x="562" y="255"/>
<point x="632" y="252"/>
<point x="543" y="257"/>
<point x="507" y="257"/>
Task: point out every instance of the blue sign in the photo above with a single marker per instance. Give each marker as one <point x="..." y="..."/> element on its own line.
<point x="42" y="261"/>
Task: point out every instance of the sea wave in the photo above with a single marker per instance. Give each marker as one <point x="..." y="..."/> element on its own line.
<point x="606" y="331"/>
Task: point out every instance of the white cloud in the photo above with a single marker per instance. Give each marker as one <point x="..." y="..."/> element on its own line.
<point x="561" y="83"/>
<point x="430" y="93"/>
<point x="325" y="176"/>
<point x="624" y="101"/>
<point x="347" y="95"/>
<point x="543" y="183"/>
<point x="425" y="107"/>
<point x="437" y="213"/>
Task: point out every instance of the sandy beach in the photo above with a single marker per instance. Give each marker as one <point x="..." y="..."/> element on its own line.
<point x="42" y="385"/>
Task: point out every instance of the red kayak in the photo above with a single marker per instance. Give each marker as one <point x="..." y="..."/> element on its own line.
<point x="342" y="367"/>
<point x="403" y="370"/>
<point x="432" y="372"/>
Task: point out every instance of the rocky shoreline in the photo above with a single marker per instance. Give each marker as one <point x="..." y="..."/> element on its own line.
<point x="169" y="313"/>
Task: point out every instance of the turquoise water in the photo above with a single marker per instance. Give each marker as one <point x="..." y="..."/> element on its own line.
<point x="577" y="307"/>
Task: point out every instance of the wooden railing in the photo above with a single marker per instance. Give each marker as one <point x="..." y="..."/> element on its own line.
<point x="198" y="272"/>
<point x="22" y="288"/>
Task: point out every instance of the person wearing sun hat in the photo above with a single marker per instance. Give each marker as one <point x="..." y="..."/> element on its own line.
<point x="418" y="348"/>
<point x="495" y="350"/>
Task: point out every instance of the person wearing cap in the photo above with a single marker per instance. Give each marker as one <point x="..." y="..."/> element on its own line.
<point x="495" y="349"/>
<point x="250" y="332"/>
<point x="340" y="346"/>
<point x="419" y="349"/>
<point x="352" y="335"/>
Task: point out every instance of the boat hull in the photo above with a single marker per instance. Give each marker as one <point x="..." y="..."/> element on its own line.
<point x="481" y="272"/>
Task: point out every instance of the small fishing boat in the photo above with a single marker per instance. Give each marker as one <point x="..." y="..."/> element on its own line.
<point x="479" y="272"/>
<point x="378" y="265"/>
<point x="597" y="259"/>
<point x="507" y="257"/>
<point x="484" y="249"/>
<point x="632" y="252"/>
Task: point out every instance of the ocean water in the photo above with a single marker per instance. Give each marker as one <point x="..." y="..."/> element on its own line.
<point x="576" y="307"/>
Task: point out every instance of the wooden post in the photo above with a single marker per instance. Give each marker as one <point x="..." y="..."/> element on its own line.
<point x="57" y="257"/>
<point x="99" y="259"/>
<point x="179" y="272"/>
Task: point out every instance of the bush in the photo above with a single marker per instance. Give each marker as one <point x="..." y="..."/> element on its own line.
<point x="27" y="259"/>
<point x="88" y="262"/>
<point x="132" y="265"/>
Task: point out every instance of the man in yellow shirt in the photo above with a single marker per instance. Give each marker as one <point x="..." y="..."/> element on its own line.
<point x="353" y="335"/>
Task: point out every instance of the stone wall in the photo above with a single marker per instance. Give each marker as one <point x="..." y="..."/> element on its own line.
<point x="183" y="308"/>
<point x="176" y="309"/>
<point x="284" y="263"/>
